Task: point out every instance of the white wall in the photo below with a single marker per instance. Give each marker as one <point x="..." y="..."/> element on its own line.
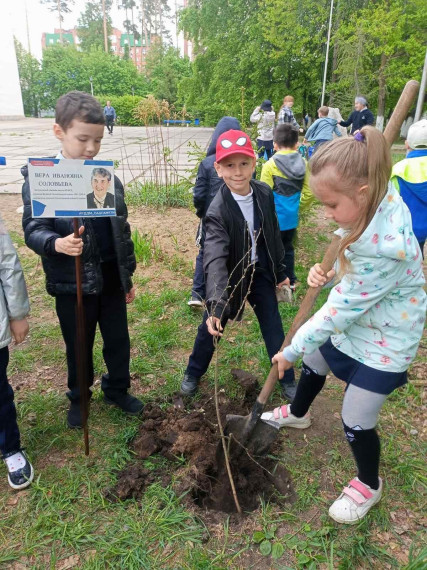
<point x="11" y="106"/>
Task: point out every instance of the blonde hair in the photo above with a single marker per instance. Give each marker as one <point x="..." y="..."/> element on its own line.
<point x="357" y="163"/>
<point x="288" y="99"/>
<point x="324" y="111"/>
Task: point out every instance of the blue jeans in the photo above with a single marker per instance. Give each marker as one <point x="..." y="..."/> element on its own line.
<point x="263" y="300"/>
<point x="198" y="290"/>
<point x="318" y="143"/>
<point x="9" y="432"/>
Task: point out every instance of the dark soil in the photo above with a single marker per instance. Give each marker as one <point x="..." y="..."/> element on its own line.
<point x="188" y="437"/>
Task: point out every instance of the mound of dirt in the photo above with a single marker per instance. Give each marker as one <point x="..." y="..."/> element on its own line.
<point x="191" y="433"/>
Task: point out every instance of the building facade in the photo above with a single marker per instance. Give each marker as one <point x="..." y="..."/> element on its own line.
<point x="122" y="44"/>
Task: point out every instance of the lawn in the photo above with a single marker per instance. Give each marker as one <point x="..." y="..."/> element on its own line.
<point x="64" y="519"/>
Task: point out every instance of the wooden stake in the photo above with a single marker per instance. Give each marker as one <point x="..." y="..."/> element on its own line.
<point x="81" y="348"/>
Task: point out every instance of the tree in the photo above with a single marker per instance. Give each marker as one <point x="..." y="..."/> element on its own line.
<point x="91" y="26"/>
<point x="60" y="6"/>
<point x="165" y="69"/>
<point x="375" y="62"/>
<point x="64" y="69"/>
<point x="29" y="78"/>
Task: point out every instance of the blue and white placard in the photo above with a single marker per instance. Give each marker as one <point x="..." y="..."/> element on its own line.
<point x="63" y="188"/>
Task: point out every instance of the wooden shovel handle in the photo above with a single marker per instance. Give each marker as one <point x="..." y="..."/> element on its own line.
<point x="301" y="317"/>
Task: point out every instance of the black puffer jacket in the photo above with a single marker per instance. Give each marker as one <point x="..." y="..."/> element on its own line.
<point x="41" y="233"/>
<point x="226" y="257"/>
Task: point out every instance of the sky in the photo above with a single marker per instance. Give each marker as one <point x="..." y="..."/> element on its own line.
<point x="40" y="20"/>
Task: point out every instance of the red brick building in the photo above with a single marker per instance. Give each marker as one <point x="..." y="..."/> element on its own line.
<point x="121" y="44"/>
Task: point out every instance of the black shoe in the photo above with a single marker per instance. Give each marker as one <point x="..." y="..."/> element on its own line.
<point x="126" y="402"/>
<point x="74" y="415"/>
<point x="289" y="389"/>
<point x="189" y="385"/>
<point x="23" y="476"/>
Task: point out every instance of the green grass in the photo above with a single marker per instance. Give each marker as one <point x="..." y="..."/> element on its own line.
<point x="175" y="195"/>
<point x="64" y="513"/>
<point x="146" y="250"/>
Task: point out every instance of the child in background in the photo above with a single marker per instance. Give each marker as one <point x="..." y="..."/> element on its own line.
<point x="243" y="256"/>
<point x="108" y="262"/>
<point x="207" y="185"/>
<point x="410" y="178"/>
<point x="265" y="117"/>
<point x="14" y="308"/>
<point x="285" y="114"/>
<point x="368" y="331"/>
<point x="287" y="175"/>
<point x="322" y="130"/>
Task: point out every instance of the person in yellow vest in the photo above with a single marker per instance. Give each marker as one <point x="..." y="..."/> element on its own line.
<point x="409" y="177"/>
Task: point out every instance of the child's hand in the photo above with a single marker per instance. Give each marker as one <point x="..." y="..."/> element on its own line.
<point x="19" y="329"/>
<point x="283" y="283"/>
<point x="214" y="326"/>
<point x="130" y="296"/>
<point x="316" y="276"/>
<point x="70" y="245"/>
<point x="282" y="363"/>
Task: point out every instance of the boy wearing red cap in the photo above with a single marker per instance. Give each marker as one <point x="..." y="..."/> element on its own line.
<point x="243" y="256"/>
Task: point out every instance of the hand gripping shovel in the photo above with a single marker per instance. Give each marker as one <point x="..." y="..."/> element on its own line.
<point x="250" y="431"/>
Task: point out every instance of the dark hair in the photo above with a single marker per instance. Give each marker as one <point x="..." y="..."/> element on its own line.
<point x="80" y="106"/>
<point x="285" y="136"/>
<point x="101" y="172"/>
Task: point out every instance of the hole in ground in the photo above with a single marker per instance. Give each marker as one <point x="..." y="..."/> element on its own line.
<point x="189" y="439"/>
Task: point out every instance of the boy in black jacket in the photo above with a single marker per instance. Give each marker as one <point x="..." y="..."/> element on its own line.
<point x="243" y="255"/>
<point x="207" y="185"/>
<point x="108" y="262"/>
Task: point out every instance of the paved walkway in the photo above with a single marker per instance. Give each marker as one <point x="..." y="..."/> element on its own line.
<point x="154" y="153"/>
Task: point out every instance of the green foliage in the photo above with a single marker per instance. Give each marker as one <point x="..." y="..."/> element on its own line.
<point x="91" y="26"/>
<point x="29" y="71"/>
<point x="160" y="196"/>
<point x="364" y="58"/>
<point x="125" y="107"/>
<point x="146" y="250"/>
<point x="64" y="69"/>
<point x="165" y="69"/>
<point x="269" y="49"/>
<point x="268" y="544"/>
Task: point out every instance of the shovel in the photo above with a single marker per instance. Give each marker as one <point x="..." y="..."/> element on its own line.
<point x="250" y="431"/>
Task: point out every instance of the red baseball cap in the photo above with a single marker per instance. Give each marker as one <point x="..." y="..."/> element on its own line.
<point x="233" y="142"/>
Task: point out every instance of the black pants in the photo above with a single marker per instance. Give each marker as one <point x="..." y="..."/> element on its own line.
<point x="9" y="432"/>
<point x="109" y="121"/>
<point x="288" y="237"/>
<point x="109" y="310"/>
<point x="198" y="290"/>
<point x="263" y="300"/>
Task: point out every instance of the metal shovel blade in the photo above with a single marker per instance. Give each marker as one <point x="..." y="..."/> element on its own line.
<point x="257" y="439"/>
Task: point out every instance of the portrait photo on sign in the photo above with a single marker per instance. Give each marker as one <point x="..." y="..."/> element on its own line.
<point x="100" y="182"/>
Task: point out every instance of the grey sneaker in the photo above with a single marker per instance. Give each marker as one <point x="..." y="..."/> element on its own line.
<point x="289" y="389"/>
<point x="195" y="302"/>
<point x="189" y="385"/>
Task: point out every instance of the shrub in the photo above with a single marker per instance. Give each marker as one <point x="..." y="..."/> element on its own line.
<point x="125" y="108"/>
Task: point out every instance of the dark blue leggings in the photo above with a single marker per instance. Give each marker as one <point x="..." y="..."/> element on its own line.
<point x="9" y="432"/>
